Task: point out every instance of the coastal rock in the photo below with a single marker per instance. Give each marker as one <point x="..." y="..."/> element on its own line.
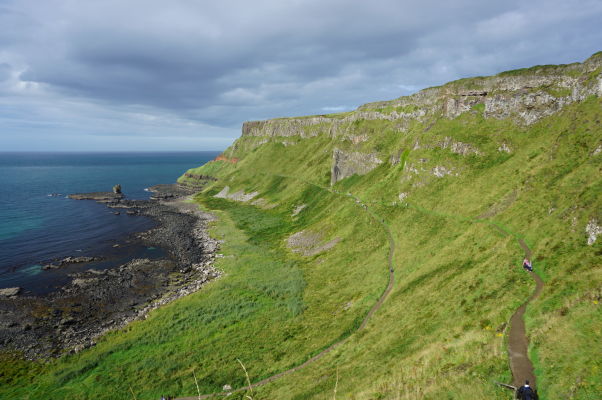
<point x="117" y="189"/>
<point x="10" y="292"/>
<point x="70" y="260"/>
<point x="70" y="318"/>
<point x="101" y="197"/>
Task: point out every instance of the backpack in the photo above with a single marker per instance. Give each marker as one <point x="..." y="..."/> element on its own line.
<point x="526" y="393"/>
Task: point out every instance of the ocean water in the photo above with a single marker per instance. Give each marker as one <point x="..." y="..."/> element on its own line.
<point x="38" y="223"/>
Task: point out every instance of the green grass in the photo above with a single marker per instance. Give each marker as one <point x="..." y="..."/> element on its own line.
<point x="407" y="109"/>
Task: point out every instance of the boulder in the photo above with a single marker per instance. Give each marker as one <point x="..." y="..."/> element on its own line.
<point x="10" y="292"/>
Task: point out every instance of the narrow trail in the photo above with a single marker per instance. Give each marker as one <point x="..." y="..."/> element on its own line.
<point x="518" y="343"/>
<point x="334" y="345"/>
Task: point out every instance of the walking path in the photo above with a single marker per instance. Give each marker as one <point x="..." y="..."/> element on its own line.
<point x="518" y="343"/>
<point x="520" y="364"/>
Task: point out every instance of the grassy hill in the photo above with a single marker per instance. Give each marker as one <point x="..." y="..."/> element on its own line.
<point x="456" y="174"/>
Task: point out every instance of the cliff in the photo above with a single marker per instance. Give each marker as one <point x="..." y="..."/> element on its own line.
<point x="356" y="142"/>
<point x="525" y="95"/>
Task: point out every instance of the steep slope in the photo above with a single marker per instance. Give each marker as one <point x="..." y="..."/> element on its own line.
<point x="521" y="149"/>
<point x="457" y="175"/>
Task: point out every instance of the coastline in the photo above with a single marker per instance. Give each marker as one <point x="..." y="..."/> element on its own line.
<point x="97" y="301"/>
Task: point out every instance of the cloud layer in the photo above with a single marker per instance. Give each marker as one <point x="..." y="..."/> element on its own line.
<point x="154" y="75"/>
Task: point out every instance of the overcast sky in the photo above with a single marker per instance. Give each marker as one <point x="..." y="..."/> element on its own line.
<point x="184" y="74"/>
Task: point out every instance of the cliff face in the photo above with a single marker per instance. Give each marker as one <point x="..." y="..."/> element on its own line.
<point x="523" y="95"/>
<point x="347" y="164"/>
<point x="354" y="138"/>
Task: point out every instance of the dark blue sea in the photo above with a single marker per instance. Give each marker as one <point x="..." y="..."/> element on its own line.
<point x="38" y="223"/>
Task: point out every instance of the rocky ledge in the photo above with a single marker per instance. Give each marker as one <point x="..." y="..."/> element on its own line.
<point x="101" y="197"/>
<point x="96" y="301"/>
<point x="70" y="260"/>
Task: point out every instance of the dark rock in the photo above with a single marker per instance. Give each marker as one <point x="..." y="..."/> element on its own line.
<point x="70" y="260"/>
<point x="101" y="197"/>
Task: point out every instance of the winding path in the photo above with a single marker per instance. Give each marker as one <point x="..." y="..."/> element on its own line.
<point x="520" y="364"/>
<point x="336" y="344"/>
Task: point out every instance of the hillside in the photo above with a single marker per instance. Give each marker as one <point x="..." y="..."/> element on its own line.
<point x="445" y="182"/>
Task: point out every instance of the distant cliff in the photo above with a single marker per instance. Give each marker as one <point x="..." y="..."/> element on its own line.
<point x="526" y="95"/>
<point x="355" y="142"/>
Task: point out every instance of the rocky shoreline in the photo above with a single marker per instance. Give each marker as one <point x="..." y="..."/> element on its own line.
<point x="97" y="301"/>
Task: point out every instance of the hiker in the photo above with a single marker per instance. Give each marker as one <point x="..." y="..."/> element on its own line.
<point x="525" y="392"/>
<point x="527" y="265"/>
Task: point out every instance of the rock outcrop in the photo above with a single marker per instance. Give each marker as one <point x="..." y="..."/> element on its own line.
<point x="346" y="164"/>
<point x="101" y="197"/>
<point x="10" y="292"/>
<point x="70" y="260"/>
<point x="236" y="196"/>
<point x="592" y="230"/>
<point x="309" y="243"/>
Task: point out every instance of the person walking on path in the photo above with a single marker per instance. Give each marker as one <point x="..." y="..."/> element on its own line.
<point x="527" y="265"/>
<point x="526" y="392"/>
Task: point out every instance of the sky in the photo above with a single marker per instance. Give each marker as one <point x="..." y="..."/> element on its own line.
<point x="150" y="75"/>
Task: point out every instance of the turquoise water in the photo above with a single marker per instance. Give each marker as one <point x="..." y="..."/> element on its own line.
<point x="38" y="223"/>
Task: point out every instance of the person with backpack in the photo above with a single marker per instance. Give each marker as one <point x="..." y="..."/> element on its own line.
<point x="525" y="392"/>
<point x="527" y="265"/>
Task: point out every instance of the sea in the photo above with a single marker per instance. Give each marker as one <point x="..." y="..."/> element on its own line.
<point x="39" y="224"/>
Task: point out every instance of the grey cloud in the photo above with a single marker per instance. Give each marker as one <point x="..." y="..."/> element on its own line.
<point x="225" y="62"/>
<point x="5" y="71"/>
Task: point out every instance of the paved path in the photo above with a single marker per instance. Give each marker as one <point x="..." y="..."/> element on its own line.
<point x="333" y="346"/>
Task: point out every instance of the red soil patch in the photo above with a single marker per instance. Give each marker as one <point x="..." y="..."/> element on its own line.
<point x="221" y="157"/>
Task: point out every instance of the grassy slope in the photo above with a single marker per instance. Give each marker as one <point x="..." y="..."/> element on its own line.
<point x="545" y="191"/>
<point x="441" y="332"/>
